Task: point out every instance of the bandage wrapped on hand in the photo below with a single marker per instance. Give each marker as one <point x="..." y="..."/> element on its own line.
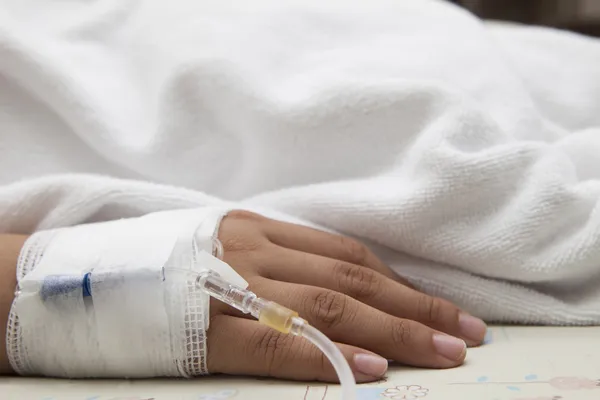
<point x="94" y="301"/>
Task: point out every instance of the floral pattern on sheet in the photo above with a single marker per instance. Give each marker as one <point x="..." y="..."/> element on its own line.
<point x="574" y="383"/>
<point x="122" y="398"/>
<point x="406" y="392"/>
<point x="221" y="395"/>
<point x="541" y="398"/>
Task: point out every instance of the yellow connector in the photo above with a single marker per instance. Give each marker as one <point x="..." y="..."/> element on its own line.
<point x="277" y="317"/>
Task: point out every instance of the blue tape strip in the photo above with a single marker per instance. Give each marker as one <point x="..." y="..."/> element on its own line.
<point x="57" y="285"/>
<point x="87" y="285"/>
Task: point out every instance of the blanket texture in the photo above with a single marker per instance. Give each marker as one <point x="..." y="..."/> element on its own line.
<point x="466" y="153"/>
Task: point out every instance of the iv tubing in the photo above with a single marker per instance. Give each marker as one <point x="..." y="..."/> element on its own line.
<point x="336" y="358"/>
<point x="283" y="320"/>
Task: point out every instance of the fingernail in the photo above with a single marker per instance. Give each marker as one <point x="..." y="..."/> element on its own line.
<point x="370" y="364"/>
<point x="450" y="347"/>
<point x="472" y="329"/>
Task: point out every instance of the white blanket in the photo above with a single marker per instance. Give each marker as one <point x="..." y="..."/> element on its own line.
<point x="467" y="153"/>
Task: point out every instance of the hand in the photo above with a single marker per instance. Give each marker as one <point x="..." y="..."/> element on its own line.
<point x="342" y="289"/>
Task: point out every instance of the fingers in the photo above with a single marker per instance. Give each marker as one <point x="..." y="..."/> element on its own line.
<point x="372" y="288"/>
<point x="325" y="244"/>
<point x="239" y="346"/>
<point x="346" y="320"/>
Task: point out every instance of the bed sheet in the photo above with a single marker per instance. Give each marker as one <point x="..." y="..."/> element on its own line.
<point x="517" y="363"/>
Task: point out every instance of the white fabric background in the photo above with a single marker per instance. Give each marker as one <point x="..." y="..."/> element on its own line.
<point x="468" y="152"/>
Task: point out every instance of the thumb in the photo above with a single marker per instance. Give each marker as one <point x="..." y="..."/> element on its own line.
<point x="238" y="346"/>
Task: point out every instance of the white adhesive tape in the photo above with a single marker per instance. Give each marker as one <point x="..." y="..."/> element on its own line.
<point x="99" y="294"/>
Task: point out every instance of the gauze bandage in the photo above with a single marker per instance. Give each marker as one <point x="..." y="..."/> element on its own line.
<point x="99" y="300"/>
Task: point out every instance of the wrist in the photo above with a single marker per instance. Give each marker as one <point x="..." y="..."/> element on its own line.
<point x="10" y="248"/>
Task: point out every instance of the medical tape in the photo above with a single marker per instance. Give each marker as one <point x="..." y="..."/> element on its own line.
<point x="95" y="300"/>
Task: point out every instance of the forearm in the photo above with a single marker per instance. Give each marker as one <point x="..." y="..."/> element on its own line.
<point x="10" y="247"/>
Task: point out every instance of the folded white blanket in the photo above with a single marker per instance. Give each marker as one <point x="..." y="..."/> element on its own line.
<point x="467" y="153"/>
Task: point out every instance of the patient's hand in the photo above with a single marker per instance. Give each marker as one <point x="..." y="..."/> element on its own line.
<point x="339" y="287"/>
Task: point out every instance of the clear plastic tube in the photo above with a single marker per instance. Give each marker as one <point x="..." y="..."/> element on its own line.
<point x="336" y="358"/>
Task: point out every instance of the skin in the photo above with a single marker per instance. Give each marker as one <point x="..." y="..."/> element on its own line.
<point x="10" y="246"/>
<point x="336" y="283"/>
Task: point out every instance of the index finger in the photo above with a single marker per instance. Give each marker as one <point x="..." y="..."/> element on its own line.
<point x="338" y="247"/>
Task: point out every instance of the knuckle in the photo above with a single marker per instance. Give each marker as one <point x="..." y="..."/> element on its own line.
<point x="240" y="232"/>
<point x="273" y="347"/>
<point x="358" y="282"/>
<point x="244" y="215"/>
<point x="401" y="333"/>
<point x="329" y="308"/>
<point x="239" y="243"/>
<point x="429" y="308"/>
<point x="357" y="251"/>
